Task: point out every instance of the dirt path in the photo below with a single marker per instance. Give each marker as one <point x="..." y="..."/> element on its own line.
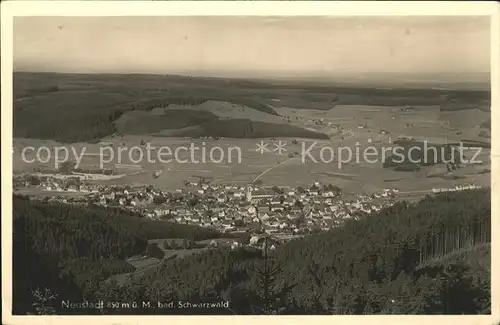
<point x="350" y="134"/>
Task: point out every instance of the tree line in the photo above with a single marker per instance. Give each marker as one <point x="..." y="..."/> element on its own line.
<point x="80" y="245"/>
<point x="367" y="266"/>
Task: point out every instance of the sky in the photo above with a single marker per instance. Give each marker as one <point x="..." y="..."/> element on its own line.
<point x="280" y="47"/>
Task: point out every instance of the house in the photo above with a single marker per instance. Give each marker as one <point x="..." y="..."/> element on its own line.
<point x="259" y="195"/>
<point x="289" y="202"/>
<point x="229" y="229"/>
<point x="312" y="215"/>
<point x="226" y="223"/>
<point x="276" y="207"/>
<point x="254" y="240"/>
<point x="329" y="194"/>
<point x="218" y="208"/>
<point x="263" y="208"/>
<point x="199" y="208"/>
<point x="273" y="223"/>
<point x="251" y="210"/>
<point x="161" y="212"/>
<point x="275" y="200"/>
<point x="264" y="216"/>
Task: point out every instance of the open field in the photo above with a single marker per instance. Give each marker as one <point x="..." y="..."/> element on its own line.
<point x="274" y="169"/>
<point x="77" y="107"/>
<point x="141" y="264"/>
<point x="173" y="111"/>
<point x="144" y="264"/>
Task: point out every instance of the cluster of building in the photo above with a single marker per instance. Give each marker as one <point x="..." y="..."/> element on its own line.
<point x="274" y="210"/>
<point x="323" y="122"/>
<point x="56" y="183"/>
<point x="231" y="208"/>
<point x="456" y="188"/>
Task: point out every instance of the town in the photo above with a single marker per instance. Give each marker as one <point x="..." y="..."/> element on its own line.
<point x="282" y="212"/>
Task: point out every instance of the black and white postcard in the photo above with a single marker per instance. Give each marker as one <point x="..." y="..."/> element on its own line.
<point x="329" y="160"/>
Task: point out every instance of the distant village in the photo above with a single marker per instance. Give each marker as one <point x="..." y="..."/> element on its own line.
<point x="282" y="212"/>
<point x="227" y="208"/>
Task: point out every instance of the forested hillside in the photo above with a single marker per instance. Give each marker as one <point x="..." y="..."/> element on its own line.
<point x="86" y="107"/>
<point x="70" y="249"/>
<point x="369" y="266"/>
<point x="245" y="128"/>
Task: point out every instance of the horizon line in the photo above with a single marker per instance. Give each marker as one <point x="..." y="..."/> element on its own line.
<point x="318" y="80"/>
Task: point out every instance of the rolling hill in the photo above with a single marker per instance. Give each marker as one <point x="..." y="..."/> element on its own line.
<point x="84" y="107"/>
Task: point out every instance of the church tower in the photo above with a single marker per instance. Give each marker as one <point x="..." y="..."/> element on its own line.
<point x="249" y="193"/>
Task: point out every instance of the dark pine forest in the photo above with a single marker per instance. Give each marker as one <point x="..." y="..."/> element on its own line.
<point x="429" y="257"/>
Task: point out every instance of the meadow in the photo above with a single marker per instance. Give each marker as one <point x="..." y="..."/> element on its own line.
<point x="96" y="111"/>
<point x="272" y="168"/>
